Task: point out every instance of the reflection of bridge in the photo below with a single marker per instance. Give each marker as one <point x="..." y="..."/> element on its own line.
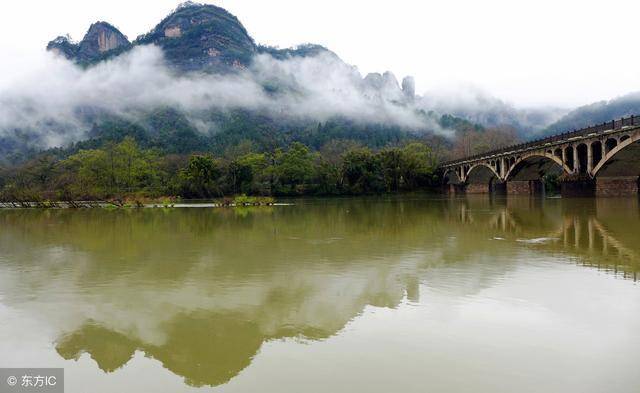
<point x="582" y="236"/>
<point x="602" y="160"/>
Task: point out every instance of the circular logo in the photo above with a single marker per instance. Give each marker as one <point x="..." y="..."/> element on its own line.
<point x="12" y="381"/>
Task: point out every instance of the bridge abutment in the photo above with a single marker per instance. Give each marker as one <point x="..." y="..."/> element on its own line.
<point x="616" y="186"/>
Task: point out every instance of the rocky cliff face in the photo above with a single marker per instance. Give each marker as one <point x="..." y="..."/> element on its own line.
<point x="100" y="40"/>
<point x="387" y="85"/>
<point x="409" y="88"/>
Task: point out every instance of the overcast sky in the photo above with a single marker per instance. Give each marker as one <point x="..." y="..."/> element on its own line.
<point x="526" y="52"/>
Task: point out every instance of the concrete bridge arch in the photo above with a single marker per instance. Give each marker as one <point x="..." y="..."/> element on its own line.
<point x="615" y="155"/>
<point x="483" y="178"/>
<point x="533" y="166"/>
<point x="602" y="159"/>
<point x="617" y="173"/>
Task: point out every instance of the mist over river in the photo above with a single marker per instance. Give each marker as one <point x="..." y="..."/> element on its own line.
<point x="380" y="294"/>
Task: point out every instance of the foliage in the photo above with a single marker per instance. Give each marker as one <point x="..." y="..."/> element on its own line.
<point x="127" y="174"/>
<point x="115" y="169"/>
<point x="201" y="177"/>
<point x="293" y="168"/>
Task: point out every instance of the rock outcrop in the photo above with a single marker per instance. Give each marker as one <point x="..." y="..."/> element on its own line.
<point x="409" y="88"/>
<point x="63" y="46"/>
<point x="387" y="85"/>
<point x="101" y="39"/>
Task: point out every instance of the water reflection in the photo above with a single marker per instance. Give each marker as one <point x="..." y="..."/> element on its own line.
<point x="598" y="233"/>
<point x="201" y="291"/>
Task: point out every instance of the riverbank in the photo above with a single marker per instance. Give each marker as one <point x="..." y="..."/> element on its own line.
<point x="138" y="203"/>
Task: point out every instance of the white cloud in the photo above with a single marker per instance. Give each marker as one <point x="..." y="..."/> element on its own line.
<point x="49" y="98"/>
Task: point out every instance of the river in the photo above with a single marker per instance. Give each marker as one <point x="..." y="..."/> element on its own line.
<point x="407" y="294"/>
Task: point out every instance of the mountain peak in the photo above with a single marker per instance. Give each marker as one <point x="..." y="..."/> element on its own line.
<point x="101" y="38"/>
<point x="202" y="37"/>
<point x="193" y="37"/>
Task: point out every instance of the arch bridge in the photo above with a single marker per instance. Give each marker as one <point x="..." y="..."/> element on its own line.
<point x="599" y="160"/>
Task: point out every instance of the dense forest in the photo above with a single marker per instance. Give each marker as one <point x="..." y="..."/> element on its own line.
<point x="125" y="169"/>
<point x="124" y="160"/>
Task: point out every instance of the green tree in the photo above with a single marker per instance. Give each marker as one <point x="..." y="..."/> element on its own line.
<point x="327" y="178"/>
<point x="294" y="167"/>
<point x="417" y="165"/>
<point x="116" y="169"/>
<point x="362" y="172"/>
<point x="260" y="175"/>
<point x="201" y="176"/>
<point x="391" y="161"/>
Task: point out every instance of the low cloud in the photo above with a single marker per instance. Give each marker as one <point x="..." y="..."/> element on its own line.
<point x="48" y="100"/>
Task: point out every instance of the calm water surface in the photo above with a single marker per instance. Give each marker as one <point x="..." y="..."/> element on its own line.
<point x="409" y="294"/>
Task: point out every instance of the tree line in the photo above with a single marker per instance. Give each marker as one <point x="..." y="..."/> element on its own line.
<point x="116" y="170"/>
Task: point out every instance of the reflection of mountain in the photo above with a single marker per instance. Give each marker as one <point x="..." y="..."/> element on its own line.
<point x="202" y="290"/>
<point x="205" y="348"/>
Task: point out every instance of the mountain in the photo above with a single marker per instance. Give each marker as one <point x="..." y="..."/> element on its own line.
<point x="195" y="37"/>
<point x="198" y="81"/>
<point x="597" y="113"/>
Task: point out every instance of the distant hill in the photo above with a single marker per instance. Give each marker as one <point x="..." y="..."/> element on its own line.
<point x="479" y="107"/>
<point x="596" y="113"/>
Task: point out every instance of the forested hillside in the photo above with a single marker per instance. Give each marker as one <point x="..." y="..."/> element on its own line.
<point x="597" y="113"/>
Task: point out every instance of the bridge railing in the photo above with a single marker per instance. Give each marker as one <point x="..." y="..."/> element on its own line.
<point x="595" y="129"/>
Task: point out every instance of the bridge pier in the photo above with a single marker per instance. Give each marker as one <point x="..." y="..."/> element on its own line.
<point x="486" y="188"/>
<point x="616" y="186"/>
<point x="525" y="187"/>
<point x="476" y="188"/>
<point x="454" y="189"/>
<point x="578" y="187"/>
